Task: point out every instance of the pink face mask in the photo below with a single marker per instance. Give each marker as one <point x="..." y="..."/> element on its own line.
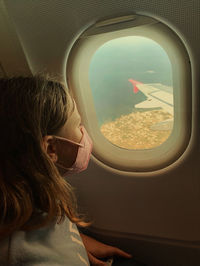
<point x="68" y="149"/>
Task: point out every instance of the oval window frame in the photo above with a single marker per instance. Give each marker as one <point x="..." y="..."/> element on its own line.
<point x="78" y="81"/>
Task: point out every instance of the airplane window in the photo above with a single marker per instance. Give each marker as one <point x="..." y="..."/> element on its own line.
<point x="131" y="82"/>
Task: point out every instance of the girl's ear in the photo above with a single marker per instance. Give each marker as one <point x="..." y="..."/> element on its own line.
<point x="50" y="147"/>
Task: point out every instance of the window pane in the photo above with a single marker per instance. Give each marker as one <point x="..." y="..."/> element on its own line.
<point x="131" y="82"/>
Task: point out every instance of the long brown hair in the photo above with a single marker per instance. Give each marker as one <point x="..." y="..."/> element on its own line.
<point x="30" y="184"/>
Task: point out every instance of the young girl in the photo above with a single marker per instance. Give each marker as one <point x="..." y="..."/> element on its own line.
<point x="42" y="141"/>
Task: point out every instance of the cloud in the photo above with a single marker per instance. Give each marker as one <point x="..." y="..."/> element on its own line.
<point x="150" y="71"/>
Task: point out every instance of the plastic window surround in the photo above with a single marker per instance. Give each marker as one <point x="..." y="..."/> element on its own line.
<point x="78" y="81"/>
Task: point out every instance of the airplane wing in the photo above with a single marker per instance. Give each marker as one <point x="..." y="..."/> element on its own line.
<point x="158" y="95"/>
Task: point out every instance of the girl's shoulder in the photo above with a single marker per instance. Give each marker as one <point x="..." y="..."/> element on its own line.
<point x="56" y="244"/>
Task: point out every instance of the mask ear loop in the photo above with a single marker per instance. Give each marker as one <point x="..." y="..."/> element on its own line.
<point x="71" y="141"/>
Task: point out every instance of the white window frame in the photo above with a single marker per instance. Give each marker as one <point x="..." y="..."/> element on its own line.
<point x="78" y="81"/>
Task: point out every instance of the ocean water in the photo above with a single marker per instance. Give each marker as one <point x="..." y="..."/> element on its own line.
<point x="115" y="62"/>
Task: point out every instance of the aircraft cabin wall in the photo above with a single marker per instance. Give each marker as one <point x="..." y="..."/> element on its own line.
<point x="143" y="199"/>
